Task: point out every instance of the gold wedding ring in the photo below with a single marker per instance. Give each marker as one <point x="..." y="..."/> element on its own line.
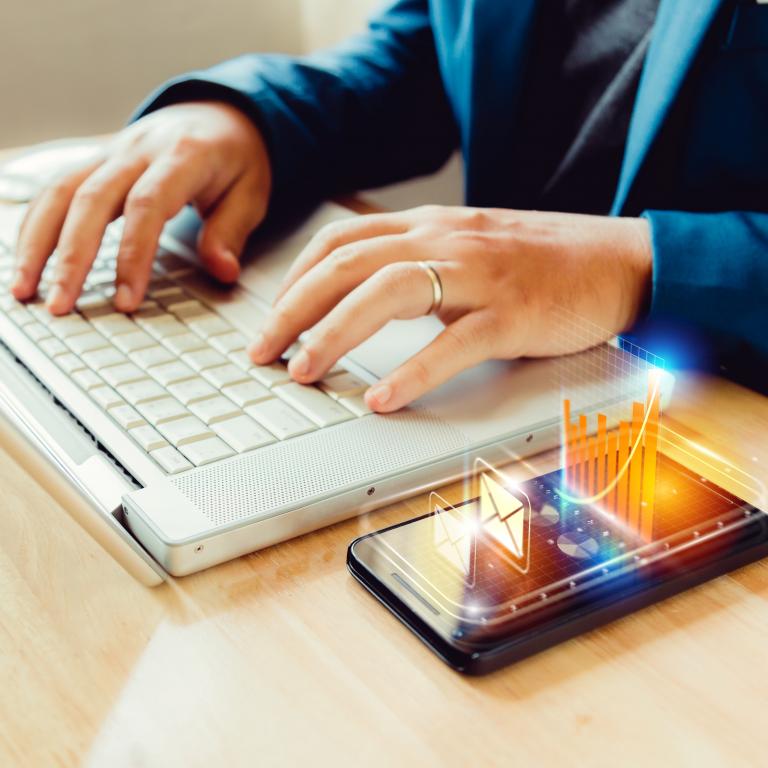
<point x="437" y="287"/>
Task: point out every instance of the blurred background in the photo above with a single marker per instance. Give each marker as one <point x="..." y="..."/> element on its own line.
<point x="79" y="67"/>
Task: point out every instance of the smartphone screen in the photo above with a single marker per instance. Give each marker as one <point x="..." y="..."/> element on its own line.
<point x="474" y="588"/>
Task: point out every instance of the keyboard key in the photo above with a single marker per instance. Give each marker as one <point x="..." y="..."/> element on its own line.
<point x="148" y="438"/>
<point x="69" y="362"/>
<point x="183" y="431"/>
<point x="183" y="342"/>
<point x="161" y="288"/>
<point x="356" y="404"/>
<point x="104" y="358"/>
<point x="201" y="359"/>
<point x="174" y="295"/>
<point x="159" y="411"/>
<point x="191" y="391"/>
<point x="170" y="373"/>
<point x="214" y="409"/>
<point x="157" y="355"/>
<point x="208" y="325"/>
<point x="270" y="375"/>
<point x="138" y="392"/>
<point x="228" y="342"/>
<point x="243" y="433"/>
<point x="123" y="374"/>
<point x="186" y="308"/>
<point x="94" y="304"/>
<point x="246" y="393"/>
<point x="241" y="359"/>
<point x="224" y="375"/>
<point x="164" y="326"/>
<point x="20" y="316"/>
<point x="86" y="342"/>
<point x="206" y="451"/>
<point x="130" y="342"/>
<point x="113" y="324"/>
<point x="321" y="409"/>
<point x="170" y="460"/>
<point x="126" y="416"/>
<point x="37" y="331"/>
<point x="87" y="379"/>
<point x="53" y="347"/>
<point x="343" y="385"/>
<point x="68" y="325"/>
<point x="279" y="418"/>
<point x="106" y="397"/>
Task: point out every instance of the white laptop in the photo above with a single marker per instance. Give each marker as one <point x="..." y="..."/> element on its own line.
<point x="163" y="440"/>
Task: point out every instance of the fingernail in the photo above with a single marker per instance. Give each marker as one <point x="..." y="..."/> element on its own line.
<point x="123" y="297"/>
<point x="299" y="365"/>
<point x="256" y="349"/>
<point x="381" y="393"/>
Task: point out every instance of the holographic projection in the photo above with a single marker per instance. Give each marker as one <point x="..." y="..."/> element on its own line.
<point x="616" y="469"/>
<point x="620" y="498"/>
<point x="502" y="515"/>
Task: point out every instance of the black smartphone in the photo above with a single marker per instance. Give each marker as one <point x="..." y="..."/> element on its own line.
<point x="480" y="605"/>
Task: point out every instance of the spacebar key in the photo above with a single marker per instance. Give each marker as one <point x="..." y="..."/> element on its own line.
<point x="313" y="403"/>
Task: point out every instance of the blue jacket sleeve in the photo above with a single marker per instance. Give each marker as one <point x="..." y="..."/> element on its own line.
<point x="710" y="291"/>
<point x="370" y="112"/>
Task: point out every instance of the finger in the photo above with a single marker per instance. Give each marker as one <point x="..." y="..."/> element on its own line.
<point x="340" y="233"/>
<point x="41" y="228"/>
<point x="228" y="226"/>
<point x="400" y="291"/>
<point x="161" y="192"/>
<point x="461" y="345"/>
<point x="97" y="201"/>
<point x="320" y="289"/>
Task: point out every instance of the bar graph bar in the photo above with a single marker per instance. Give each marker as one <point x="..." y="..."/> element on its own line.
<point x="616" y="469"/>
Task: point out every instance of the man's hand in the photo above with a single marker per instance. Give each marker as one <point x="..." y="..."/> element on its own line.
<point x="209" y="154"/>
<point x="503" y="273"/>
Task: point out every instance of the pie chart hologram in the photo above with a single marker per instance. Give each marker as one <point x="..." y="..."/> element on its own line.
<point x="580" y="546"/>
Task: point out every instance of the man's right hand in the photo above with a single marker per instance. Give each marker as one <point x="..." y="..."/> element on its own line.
<point x="208" y="153"/>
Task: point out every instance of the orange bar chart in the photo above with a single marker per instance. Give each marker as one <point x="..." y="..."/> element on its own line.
<point x="616" y="469"/>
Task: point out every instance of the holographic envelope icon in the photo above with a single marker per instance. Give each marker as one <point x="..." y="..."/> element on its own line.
<point x="455" y="535"/>
<point x="505" y="515"/>
<point x="501" y="516"/>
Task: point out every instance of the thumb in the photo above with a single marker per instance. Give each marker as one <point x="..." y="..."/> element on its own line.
<point x="226" y="229"/>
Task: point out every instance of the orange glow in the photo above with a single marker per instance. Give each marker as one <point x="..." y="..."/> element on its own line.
<point x="617" y="469"/>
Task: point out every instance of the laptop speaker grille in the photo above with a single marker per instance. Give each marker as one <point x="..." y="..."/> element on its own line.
<point x="290" y="474"/>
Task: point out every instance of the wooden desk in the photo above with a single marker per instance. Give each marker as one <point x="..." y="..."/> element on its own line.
<point x="280" y="658"/>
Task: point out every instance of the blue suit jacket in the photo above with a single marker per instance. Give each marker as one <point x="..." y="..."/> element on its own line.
<point x="431" y="75"/>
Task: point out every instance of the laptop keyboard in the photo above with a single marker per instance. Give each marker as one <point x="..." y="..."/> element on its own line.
<point x="175" y="375"/>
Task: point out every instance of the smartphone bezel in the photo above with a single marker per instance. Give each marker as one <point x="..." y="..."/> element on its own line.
<point x="582" y="614"/>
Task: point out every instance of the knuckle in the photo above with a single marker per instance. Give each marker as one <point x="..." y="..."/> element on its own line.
<point x="324" y="338"/>
<point x="332" y="233"/>
<point x="282" y="316"/>
<point x="87" y="194"/>
<point x="189" y="145"/>
<point x="139" y="200"/>
<point x="429" y="211"/>
<point x="475" y="218"/>
<point x="130" y="255"/>
<point x="420" y="373"/>
<point x="345" y="258"/>
<point x="392" y="278"/>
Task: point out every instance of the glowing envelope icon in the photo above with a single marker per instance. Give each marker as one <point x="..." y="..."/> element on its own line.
<point x="501" y="516"/>
<point x="455" y="535"/>
<point x="505" y="516"/>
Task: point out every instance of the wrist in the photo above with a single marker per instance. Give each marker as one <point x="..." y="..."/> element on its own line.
<point x="639" y="270"/>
